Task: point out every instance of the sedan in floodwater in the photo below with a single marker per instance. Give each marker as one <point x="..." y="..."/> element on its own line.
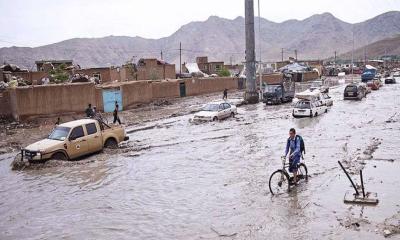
<point x="390" y="80"/>
<point x="216" y="111"/>
<point x="306" y="108"/>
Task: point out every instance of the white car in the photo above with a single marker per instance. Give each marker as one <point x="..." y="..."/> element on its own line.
<point x="215" y="111"/>
<point x="306" y="108"/>
<point x="326" y="99"/>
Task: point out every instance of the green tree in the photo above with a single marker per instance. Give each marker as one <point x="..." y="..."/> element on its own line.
<point x="224" y="73"/>
<point x="59" y="74"/>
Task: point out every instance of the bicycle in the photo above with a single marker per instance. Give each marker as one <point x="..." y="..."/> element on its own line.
<point x="280" y="179"/>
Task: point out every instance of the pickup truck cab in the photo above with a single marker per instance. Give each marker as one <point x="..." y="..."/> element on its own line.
<point x="75" y="139"/>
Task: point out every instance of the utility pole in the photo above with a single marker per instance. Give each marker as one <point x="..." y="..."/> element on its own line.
<point x="162" y="55"/>
<point x="295" y="54"/>
<point x="259" y="42"/>
<point x="335" y="58"/>
<point x="282" y="54"/>
<point x="251" y="95"/>
<point x="365" y="56"/>
<point x="180" y="59"/>
<point x="352" y="55"/>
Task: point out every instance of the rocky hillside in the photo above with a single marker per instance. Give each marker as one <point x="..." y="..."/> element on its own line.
<point x="316" y="37"/>
<point x="388" y="46"/>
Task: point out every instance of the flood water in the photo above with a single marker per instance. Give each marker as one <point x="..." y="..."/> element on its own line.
<point x="181" y="180"/>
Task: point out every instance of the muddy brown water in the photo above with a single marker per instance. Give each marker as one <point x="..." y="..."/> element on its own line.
<point x="180" y="180"/>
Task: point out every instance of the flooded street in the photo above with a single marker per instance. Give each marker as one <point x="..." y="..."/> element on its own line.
<point x="179" y="180"/>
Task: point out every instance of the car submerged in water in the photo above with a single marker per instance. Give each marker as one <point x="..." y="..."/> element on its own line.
<point x="308" y="108"/>
<point x="215" y="111"/>
<point x="355" y="91"/>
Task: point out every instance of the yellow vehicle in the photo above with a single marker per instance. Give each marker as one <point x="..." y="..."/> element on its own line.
<point x="75" y="139"/>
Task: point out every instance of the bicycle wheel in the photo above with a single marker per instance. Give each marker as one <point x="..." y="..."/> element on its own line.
<point x="279" y="182"/>
<point x="302" y="172"/>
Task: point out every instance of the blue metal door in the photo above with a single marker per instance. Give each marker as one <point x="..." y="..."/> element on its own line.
<point x="110" y="96"/>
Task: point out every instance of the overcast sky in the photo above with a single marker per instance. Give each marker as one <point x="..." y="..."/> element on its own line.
<point x="40" y="22"/>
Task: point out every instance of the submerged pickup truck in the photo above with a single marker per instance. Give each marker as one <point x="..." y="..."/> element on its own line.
<point x="75" y="139"/>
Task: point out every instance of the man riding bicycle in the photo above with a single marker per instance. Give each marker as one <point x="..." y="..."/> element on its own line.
<point x="293" y="147"/>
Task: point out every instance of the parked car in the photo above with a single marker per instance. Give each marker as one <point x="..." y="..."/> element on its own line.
<point x="75" y="139"/>
<point x="307" y="108"/>
<point x="390" y="80"/>
<point x="216" y="111"/>
<point x="355" y="91"/>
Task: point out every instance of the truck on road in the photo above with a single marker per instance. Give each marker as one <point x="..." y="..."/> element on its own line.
<point x="75" y="139"/>
<point x="280" y="92"/>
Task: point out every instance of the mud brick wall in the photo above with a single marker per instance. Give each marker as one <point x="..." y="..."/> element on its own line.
<point x="310" y="76"/>
<point x="272" y="78"/>
<point x="165" y="89"/>
<point x="51" y="99"/>
<point x="135" y="93"/>
<point x="5" y="104"/>
<point x="32" y="77"/>
<point x="198" y="86"/>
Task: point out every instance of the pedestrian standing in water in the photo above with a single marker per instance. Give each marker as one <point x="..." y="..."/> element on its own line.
<point x="225" y="97"/>
<point x="115" y="113"/>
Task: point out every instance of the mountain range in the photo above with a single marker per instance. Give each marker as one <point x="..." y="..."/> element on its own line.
<point x="316" y="37"/>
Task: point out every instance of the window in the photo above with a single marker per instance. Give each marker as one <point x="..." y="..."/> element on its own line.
<point x="227" y="106"/>
<point x="221" y="107"/>
<point x="77" y="133"/>
<point x="217" y="67"/>
<point x="91" y="128"/>
<point x="97" y="75"/>
<point x="59" y="133"/>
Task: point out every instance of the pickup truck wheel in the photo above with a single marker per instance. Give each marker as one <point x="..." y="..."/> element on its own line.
<point x="59" y="156"/>
<point x="111" y="143"/>
<point x="316" y="114"/>
<point x="326" y="110"/>
<point x="215" y="119"/>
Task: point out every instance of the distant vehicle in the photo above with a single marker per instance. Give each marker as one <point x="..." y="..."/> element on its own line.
<point x="368" y="74"/>
<point x="314" y="95"/>
<point x="355" y="91"/>
<point x="307" y="108"/>
<point x="387" y="74"/>
<point x="75" y="139"/>
<point x="216" y="111"/>
<point x="277" y="94"/>
<point x="374" y="84"/>
<point x="318" y="84"/>
<point x="396" y="76"/>
<point x="390" y="80"/>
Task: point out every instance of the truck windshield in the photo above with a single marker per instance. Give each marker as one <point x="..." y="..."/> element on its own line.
<point x="303" y="105"/>
<point x="59" y="133"/>
<point x="272" y="88"/>
<point x="211" y="107"/>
